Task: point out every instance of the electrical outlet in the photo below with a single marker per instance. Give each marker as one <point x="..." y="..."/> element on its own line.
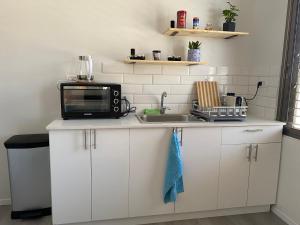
<point x="261" y="84"/>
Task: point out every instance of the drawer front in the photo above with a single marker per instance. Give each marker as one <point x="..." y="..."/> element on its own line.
<point x="251" y="134"/>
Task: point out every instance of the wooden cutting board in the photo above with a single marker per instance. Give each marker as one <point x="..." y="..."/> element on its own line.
<point x="208" y="94"/>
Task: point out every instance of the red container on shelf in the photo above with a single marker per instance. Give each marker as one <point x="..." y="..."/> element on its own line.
<point x="181" y="19"/>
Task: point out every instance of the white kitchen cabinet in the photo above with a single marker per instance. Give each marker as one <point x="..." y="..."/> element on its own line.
<point x="234" y="174"/>
<point x="70" y="158"/>
<point x="247" y="178"/>
<point x="110" y="173"/>
<point x="119" y="173"/>
<point x="148" y="159"/>
<point x="201" y="156"/>
<point x="264" y="172"/>
<point x="251" y="134"/>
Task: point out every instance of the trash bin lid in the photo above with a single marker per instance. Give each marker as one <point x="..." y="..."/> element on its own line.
<point x="27" y="141"/>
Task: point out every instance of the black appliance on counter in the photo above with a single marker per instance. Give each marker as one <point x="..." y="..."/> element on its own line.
<point x="87" y="100"/>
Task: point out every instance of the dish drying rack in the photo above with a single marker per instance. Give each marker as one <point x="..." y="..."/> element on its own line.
<point x="220" y="113"/>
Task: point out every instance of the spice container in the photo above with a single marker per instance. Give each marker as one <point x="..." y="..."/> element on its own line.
<point x="172" y="24"/>
<point x="209" y="26"/>
<point x="181" y="19"/>
<point x="156" y="54"/>
<point x="196" y="23"/>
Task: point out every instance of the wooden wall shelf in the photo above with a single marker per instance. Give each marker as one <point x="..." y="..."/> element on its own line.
<point x="161" y="62"/>
<point x="203" y="33"/>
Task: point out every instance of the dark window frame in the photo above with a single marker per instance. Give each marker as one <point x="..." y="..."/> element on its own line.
<point x="289" y="70"/>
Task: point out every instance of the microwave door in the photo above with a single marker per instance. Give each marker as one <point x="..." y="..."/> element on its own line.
<point x="87" y="99"/>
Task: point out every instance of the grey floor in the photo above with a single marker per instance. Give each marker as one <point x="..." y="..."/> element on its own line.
<point x="250" y="219"/>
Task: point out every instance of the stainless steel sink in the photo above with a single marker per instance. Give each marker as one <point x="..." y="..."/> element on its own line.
<point x="168" y="118"/>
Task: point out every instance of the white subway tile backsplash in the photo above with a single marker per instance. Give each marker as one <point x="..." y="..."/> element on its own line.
<point x="109" y="78"/>
<point x="223" y="70"/>
<point x="161" y="79"/>
<point x="137" y="79"/>
<point x="252" y="90"/>
<point x="143" y="84"/>
<point x="146" y="99"/>
<point x="147" y="69"/>
<point x="272" y="81"/>
<point x="262" y="70"/>
<point x="184" y="108"/>
<point x="175" y="70"/>
<point x="270" y="102"/>
<point x="132" y="89"/>
<point x="117" y="68"/>
<point x="270" y="113"/>
<point x="272" y="92"/>
<point x="173" y="99"/>
<point x="238" y="90"/>
<point x="183" y="89"/>
<point x="203" y="70"/>
<point x="240" y="80"/>
<point x="254" y="79"/>
<point x="224" y="79"/>
<point x="255" y="110"/>
<point x="192" y="79"/>
<point x="141" y="107"/>
<point x="156" y="89"/>
<point x="129" y="97"/>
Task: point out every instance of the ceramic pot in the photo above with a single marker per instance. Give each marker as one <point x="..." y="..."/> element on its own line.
<point x="194" y="55"/>
<point x="229" y="26"/>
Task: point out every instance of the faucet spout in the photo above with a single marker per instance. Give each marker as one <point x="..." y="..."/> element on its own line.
<point x="162" y="107"/>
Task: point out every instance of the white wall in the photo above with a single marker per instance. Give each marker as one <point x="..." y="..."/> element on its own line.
<point x="288" y="202"/>
<point x="39" y="40"/>
<point x="266" y="50"/>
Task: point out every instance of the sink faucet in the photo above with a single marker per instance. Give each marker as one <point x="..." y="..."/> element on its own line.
<point x="162" y="107"/>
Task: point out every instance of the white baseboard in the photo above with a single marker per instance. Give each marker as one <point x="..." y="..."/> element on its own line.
<point x="282" y="215"/>
<point x="174" y="217"/>
<point x="5" y="201"/>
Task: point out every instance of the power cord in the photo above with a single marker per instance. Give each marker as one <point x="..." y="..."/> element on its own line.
<point x="259" y="84"/>
<point x="128" y="108"/>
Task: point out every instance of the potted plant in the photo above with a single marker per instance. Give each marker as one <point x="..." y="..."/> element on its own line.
<point x="194" y="51"/>
<point x="230" y="19"/>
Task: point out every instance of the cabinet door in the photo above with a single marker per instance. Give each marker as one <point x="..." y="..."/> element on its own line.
<point x="70" y="162"/>
<point x="148" y="159"/>
<point x="110" y="173"/>
<point x="201" y="157"/>
<point x="264" y="174"/>
<point x="234" y="174"/>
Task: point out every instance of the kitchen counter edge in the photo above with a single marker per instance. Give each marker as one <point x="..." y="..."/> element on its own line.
<point x="133" y="122"/>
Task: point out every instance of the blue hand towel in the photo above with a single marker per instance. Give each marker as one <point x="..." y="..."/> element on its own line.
<point x="173" y="178"/>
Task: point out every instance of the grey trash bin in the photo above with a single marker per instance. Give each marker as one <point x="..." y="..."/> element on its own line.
<point x="29" y="174"/>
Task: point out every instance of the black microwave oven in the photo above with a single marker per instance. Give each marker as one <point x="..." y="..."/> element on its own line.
<point x="83" y="100"/>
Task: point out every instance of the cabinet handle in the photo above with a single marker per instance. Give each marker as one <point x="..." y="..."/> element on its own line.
<point x="85" y="144"/>
<point x="175" y="130"/>
<point x="95" y="139"/>
<point x="254" y="131"/>
<point x="249" y="147"/>
<point x="256" y="153"/>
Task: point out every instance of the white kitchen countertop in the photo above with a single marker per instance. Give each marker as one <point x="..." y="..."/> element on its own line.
<point x="132" y="122"/>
